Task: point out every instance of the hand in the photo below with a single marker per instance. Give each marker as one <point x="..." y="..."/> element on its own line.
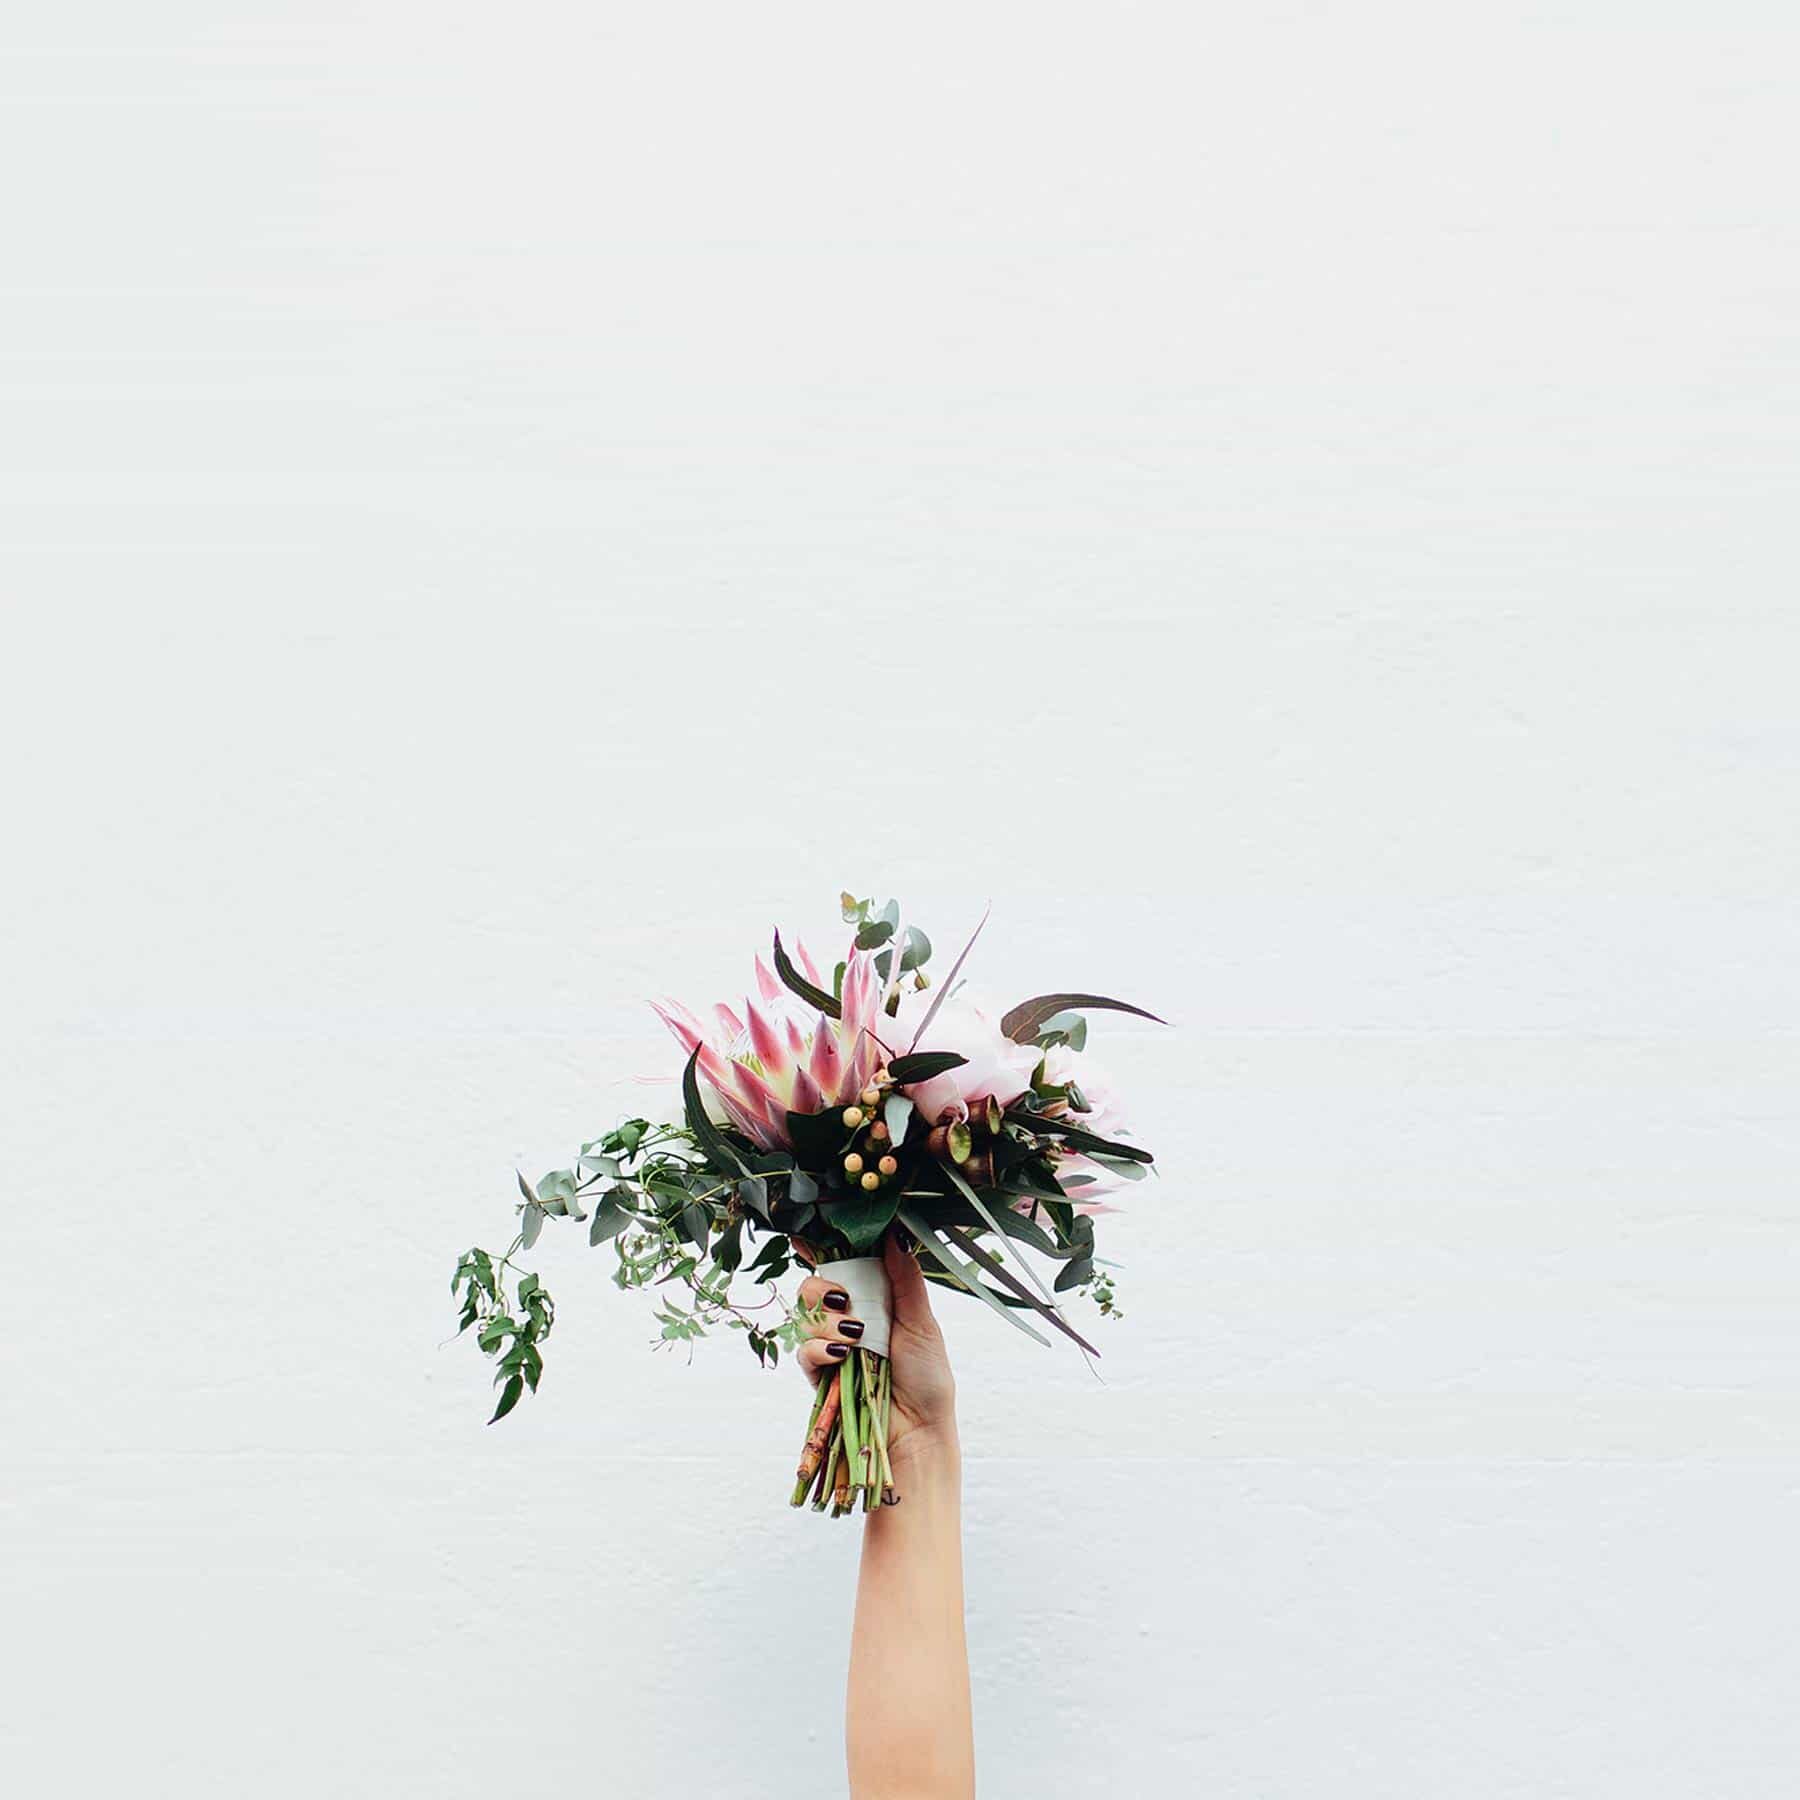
<point x="923" y="1414"/>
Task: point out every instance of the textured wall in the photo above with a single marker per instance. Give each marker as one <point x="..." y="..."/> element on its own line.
<point x="502" y="505"/>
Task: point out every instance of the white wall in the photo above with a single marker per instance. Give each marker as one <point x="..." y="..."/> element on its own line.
<point x="1294" y="504"/>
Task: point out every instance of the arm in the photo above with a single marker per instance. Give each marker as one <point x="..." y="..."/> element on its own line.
<point x="908" y="1726"/>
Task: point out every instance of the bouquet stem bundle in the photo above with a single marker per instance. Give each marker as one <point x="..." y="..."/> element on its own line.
<point x="846" y="1449"/>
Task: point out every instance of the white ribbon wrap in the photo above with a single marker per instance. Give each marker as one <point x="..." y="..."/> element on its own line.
<point x="865" y="1280"/>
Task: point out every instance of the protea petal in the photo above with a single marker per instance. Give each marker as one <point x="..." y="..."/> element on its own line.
<point x="729" y="1022"/>
<point x="683" y="1026"/>
<point x="766" y="984"/>
<point x="808" y="967"/>
<point x="826" y="1064"/>
<point x="764" y="1039"/>
<point x="796" y="1043"/>
<point x="807" y="1097"/>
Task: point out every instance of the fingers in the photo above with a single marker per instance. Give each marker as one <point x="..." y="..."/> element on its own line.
<point x="912" y="1298"/>
<point x="816" y="1294"/>
<point x="819" y="1356"/>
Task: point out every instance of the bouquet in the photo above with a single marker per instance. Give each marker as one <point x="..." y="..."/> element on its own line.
<point x="826" y="1116"/>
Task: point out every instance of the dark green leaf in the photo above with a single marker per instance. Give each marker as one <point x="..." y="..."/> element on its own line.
<point x="818" y="1137"/>
<point x="696" y="1221"/>
<point x="813" y="996"/>
<point x="1076" y="1138"/>
<point x="874" y="934"/>
<point x="509" y="1398"/>
<point x="922" y="1065"/>
<point x="706" y="1134"/>
<point x="728" y="1246"/>
<point x="1022" y="1022"/>
<point x="861" y="1218"/>
<point x="1079" y="1271"/>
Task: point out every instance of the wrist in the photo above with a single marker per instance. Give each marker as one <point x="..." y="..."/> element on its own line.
<point x="928" y="1452"/>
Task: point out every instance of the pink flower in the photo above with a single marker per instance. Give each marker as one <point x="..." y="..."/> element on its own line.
<point x="996" y="1066"/>
<point x="782" y="1055"/>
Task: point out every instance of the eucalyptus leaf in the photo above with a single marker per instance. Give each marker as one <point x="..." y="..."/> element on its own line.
<point x="896" y="1115"/>
<point x="531" y="1224"/>
<point x="610" y="1218"/>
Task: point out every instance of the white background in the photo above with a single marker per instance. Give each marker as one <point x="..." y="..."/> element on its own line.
<point x="502" y="505"/>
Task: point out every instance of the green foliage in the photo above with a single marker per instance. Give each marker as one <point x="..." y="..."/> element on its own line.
<point x="709" y="1221"/>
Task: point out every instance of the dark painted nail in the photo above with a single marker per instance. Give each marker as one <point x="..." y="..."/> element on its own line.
<point x="837" y="1351"/>
<point x="837" y="1301"/>
<point x="851" y="1328"/>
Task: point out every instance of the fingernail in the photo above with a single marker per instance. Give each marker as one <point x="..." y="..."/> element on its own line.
<point x="837" y="1300"/>
<point x="851" y="1328"/>
<point x="837" y="1352"/>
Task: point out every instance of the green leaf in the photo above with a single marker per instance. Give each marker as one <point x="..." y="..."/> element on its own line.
<point x="964" y="1276"/>
<point x="992" y="1223"/>
<point x="813" y="996"/>
<point x="818" y="1137"/>
<point x="802" y="1189"/>
<point x="922" y="1065"/>
<point x="916" y="951"/>
<point x="728" y="1247"/>
<point x="509" y="1398"/>
<point x="528" y="1285"/>
<point x="874" y="934"/>
<point x="896" y="1115"/>
<point x="610" y="1218"/>
<point x="1022" y="1022"/>
<point x="531" y="1224"/>
<point x="1079" y="1271"/>
<point x="861" y="1218"/>
<point x="962" y="1144"/>
<point x="696" y="1221"/>
<point x="1077" y="1139"/>
<point x="706" y="1134"/>
<point x="1129" y="1171"/>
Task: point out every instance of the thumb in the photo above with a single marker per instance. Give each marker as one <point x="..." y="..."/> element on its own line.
<point x="911" y="1297"/>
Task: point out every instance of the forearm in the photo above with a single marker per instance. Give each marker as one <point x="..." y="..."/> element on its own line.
<point x="909" y="1730"/>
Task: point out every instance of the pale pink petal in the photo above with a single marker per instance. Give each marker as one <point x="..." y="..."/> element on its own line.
<point x="763" y="1039"/>
<point x="808" y="967"/>
<point x="807" y="1097"/>
<point x="729" y="1022"/>
<point x="766" y="984"/>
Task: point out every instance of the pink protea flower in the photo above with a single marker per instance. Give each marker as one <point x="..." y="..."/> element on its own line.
<point x="783" y="1056"/>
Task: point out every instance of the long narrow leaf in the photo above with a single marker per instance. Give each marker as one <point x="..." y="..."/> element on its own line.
<point x="1007" y="1279"/>
<point x="950" y="979"/>
<point x="710" y="1139"/>
<point x="940" y="1254"/>
<point x="813" y="996"/>
<point x="993" y="1224"/>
